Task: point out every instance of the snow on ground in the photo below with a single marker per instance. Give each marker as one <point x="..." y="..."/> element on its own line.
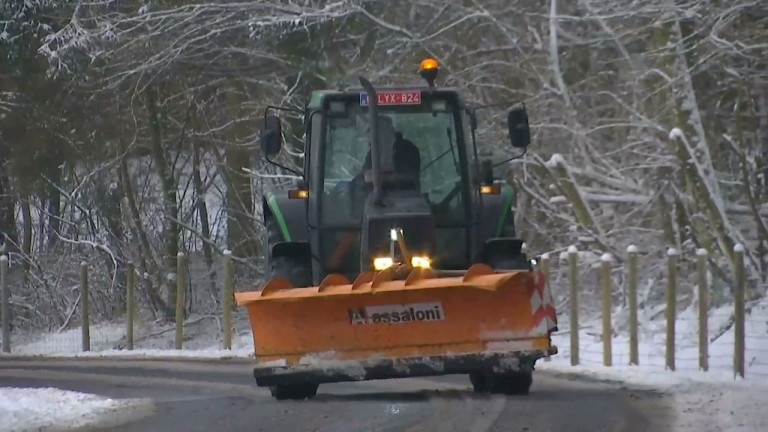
<point x="45" y="409"/>
<point x="715" y="400"/>
<point x="703" y="401"/>
<point x="242" y="347"/>
<point x="202" y="338"/>
<point x="68" y="342"/>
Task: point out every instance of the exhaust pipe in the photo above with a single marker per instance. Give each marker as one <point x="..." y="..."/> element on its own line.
<point x="373" y="103"/>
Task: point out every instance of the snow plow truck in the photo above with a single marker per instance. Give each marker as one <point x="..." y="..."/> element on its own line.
<point x="395" y="256"/>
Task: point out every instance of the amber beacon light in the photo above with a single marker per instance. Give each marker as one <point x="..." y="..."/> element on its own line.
<point x="428" y="70"/>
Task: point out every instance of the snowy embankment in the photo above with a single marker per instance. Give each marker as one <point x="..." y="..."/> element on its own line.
<point x="704" y="401"/>
<point x="108" y="339"/>
<point x="28" y="409"/>
<point x="652" y="341"/>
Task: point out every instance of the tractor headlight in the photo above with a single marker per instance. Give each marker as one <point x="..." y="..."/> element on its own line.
<point x="382" y="263"/>
<point x="423" y="262"/>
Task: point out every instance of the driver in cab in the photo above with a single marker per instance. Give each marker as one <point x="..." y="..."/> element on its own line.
<point x="406" y="157"/>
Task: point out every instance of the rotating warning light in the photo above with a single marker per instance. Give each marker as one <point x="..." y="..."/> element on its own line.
<point x="428" y="70"/>
<point x="428" y="64"/>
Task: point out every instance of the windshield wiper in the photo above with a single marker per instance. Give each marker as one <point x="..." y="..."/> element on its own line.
<point x="450" y="150"/>
<point x="436" y="159"/>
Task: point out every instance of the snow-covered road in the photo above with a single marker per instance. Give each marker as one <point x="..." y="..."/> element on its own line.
<point x="52" y="409"/>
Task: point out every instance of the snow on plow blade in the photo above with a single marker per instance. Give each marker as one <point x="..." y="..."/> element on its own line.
<point x="399" y="323"/>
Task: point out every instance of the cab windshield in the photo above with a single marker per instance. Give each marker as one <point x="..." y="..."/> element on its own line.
<point x="432" y="130"/>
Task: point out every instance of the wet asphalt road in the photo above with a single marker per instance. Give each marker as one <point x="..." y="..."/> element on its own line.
<point x="222" y="396"/>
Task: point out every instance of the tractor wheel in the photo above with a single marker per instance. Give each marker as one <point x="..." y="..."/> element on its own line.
<point x="514" y="383"/>
<point x="509" y="383"/>
<point x="294" y="269"/>
<point x="294" y="391"/>
<point x="515" y="262"/>
<point x="481" y="381"/>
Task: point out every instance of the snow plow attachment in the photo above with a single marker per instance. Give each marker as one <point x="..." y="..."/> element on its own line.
<point x="400" y="323"/>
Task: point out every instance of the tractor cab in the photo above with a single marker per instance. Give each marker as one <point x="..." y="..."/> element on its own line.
<point x="425" y="188"/>
<point x="391" y="177"/>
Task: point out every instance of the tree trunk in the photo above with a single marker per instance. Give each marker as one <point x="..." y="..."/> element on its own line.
<point x="241" y="237"/>
<point x="749" y="188"/>
<point x="761" y="187"/>
<point x="584" y="214"/>
<point x="202" y="211"/>
<point x="170" y="204"/>
<point x="41" y="238"/>
<point x="114" y="219"/>
<point x="10" y="237"/>
<point x="26" y="240"/>
<point x="145" y="258"/>
<point x="53" y="203"/>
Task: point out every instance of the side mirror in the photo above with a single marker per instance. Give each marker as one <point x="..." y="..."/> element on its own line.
<point x="271" y="136"/>
<point x="519" y="132"/>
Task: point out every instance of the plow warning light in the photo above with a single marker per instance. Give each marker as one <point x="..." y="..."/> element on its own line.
<point x="382" y="263"/>
<point x="418" y="261"/>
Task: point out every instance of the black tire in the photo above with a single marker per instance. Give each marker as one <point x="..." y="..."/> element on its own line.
<point x="295" y="269"/>
<point x="480" y="382"/>
<point x="515" y="262"/>
<point x="294" y="391"/>
<point x="514" y="383"/>
<point x="509" y="383"/>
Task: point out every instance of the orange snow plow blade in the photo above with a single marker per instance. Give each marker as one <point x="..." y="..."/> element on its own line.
<point x="401" y="316"/>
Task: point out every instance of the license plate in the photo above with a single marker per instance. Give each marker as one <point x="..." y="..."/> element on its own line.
<point x="394" y="98"/>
